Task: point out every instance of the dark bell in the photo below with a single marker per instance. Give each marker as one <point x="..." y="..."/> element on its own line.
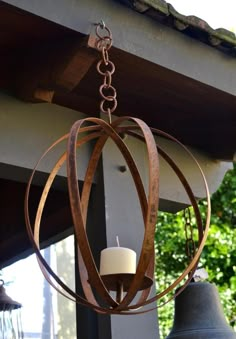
<point x="199" y="314"/>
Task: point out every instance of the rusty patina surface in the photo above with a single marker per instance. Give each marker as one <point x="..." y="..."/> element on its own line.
<point x="101" y="131"/>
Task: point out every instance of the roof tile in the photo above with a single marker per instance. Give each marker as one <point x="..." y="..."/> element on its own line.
<point x="191" y="25"/>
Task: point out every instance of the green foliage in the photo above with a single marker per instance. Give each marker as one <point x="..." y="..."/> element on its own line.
<point x="219" y="255"/>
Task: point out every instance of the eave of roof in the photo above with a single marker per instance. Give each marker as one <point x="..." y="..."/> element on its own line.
<point x="191" y="25"/>
<point x="190" y="96"/>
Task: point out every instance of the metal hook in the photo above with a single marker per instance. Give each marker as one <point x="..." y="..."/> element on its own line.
<point x="102" y="24"/>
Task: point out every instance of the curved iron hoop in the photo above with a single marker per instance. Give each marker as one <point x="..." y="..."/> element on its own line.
<point x="122" y="308"/>
<point x="38" y="216"/>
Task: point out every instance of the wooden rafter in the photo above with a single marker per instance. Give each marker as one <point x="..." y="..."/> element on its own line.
<point x="51" y="69"/>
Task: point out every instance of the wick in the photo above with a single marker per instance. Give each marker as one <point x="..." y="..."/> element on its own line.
<point x="117" y="241"/>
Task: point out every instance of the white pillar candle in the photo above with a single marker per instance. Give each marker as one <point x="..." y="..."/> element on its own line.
<point x="117" y="260"/>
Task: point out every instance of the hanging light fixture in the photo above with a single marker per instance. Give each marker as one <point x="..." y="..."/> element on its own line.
<point x="122" y="277"/>
<point x="10" y="320"/>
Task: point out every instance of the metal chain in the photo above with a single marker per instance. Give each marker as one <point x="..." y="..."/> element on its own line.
<point x="190" y="247"/>
<point x="106" y="68"/>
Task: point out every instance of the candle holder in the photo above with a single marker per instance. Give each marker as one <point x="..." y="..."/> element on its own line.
<point x="101" y="131"/>
<point x="121" y="282"/>
<point x="125" y="279"/>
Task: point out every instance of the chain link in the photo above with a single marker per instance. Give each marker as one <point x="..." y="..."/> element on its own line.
<point x="106" y="68"/>
<point x="190" y="247"/>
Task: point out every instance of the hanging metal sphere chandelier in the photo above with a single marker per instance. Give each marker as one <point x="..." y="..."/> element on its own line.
<point x="125" y="284"/>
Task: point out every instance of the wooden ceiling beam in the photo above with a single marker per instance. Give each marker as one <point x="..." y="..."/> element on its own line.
<point x="54" y="68"/>
<point x="79" y="61"/>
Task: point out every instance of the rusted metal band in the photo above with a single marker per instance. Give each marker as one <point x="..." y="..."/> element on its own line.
<point x="202" y="235"/>
<point x="87" y="187"/>
<point x="75" y="201"/>
<point x="146" y="254"/>
<point x="34" y="237"/>
<point x="79" y="205"/>
<point x="44" y="195"/>
<point x="45" y="268"/>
